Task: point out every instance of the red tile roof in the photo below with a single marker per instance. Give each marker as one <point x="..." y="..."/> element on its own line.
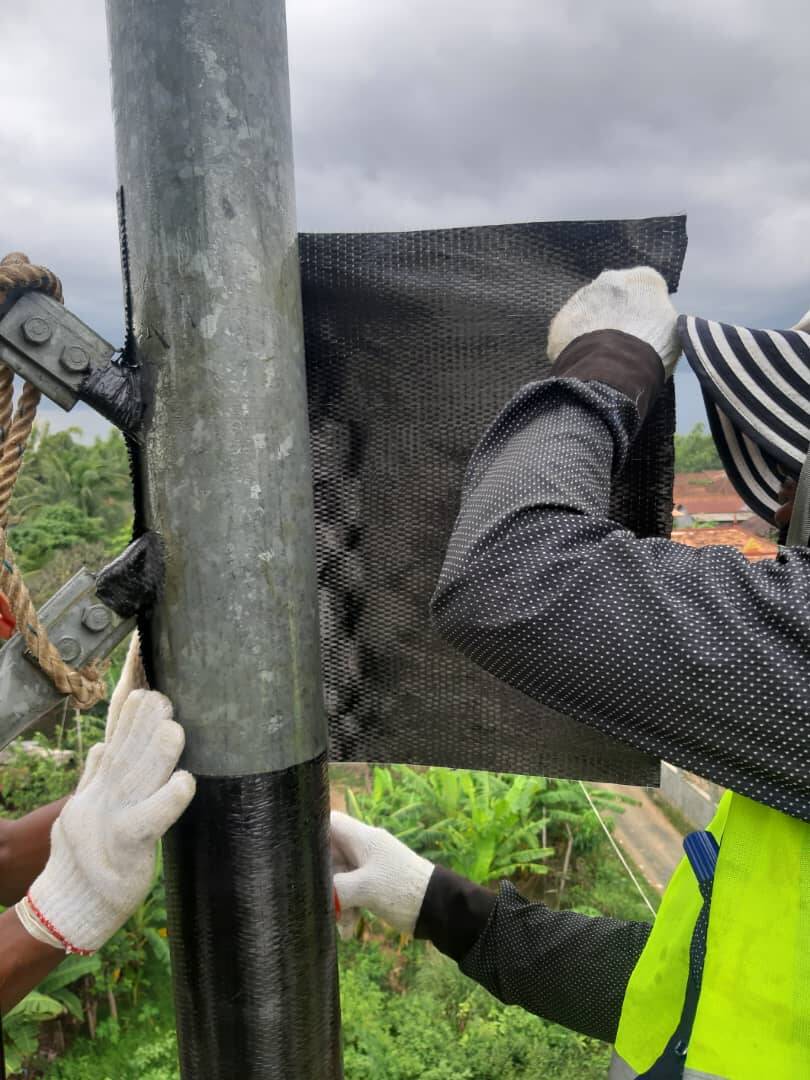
<point x="709" y="492"/>
<point x="754" y="548"/>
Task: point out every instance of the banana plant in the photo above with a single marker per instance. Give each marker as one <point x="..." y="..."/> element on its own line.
<point x="52" y="998"/>
<point x="483" y="825"/>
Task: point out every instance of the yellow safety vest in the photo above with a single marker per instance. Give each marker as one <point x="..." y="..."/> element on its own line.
<point x="753" y="1014"/>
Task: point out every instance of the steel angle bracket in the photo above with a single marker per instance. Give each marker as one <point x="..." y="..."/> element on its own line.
<point x="85" y="620"/>
<point x="66" y="360"/>
<point x="50" y="347"/>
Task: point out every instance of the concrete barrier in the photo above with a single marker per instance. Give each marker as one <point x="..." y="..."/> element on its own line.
<point x="692" y="802"/>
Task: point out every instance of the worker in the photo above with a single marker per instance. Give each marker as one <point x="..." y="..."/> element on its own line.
<point x="73" y="872"/>
<point x="693" y="655"/>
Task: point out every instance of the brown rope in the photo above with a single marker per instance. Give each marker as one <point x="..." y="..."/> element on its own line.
<point x="19" y="275"/>
<point x="85" y="687"/>
<point x="6" y="402"/>
<point x="14" y="446"/>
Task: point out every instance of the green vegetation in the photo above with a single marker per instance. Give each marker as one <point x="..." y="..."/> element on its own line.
<point x="72" y="506"/>
<point x="695" y="451"/>
<point x="52" y="998"/>
<point x="409" y="1014"/>
<point x="486" y="826"/>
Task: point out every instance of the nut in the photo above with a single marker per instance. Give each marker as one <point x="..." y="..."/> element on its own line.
<point x="96" y="618"/>
<point x="69" y="649"/>
<point x="37" y="330"/>
<point x="74" y="359"/>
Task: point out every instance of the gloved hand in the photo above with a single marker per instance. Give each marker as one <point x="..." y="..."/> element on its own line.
<point x="103" y="843"/>
<point x="635" y="301"/>
<point x="374" y="870"/>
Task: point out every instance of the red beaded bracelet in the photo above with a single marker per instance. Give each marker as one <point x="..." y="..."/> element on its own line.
<point x="63" y="941"/>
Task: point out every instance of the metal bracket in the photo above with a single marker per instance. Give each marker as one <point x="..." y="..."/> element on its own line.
<point x="51" y="348"/>
<point x="81" y="626"/>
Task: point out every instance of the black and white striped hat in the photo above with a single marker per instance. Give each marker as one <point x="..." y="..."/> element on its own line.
<point x="756" y="386"/>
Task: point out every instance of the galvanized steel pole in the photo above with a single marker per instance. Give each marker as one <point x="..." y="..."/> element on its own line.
<point x="202" y="120"/>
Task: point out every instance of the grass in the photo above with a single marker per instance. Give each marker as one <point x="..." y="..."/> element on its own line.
<point x="673" y="816"/>
<point x="602" y="885"/>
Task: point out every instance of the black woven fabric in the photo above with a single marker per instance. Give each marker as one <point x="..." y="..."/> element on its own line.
<point x="249" y="896"/>
<point x="414" y="342"/>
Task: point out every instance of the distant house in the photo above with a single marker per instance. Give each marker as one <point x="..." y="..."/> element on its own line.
<point x="707" y="496"/>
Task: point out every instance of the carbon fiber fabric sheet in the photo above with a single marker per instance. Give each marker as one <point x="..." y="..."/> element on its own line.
<point x="414" y="342"/>
<point x="248" y="884"/>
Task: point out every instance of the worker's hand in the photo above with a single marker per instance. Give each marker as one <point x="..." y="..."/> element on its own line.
<point x="787" y="496"/>
<point x="103" y="843"/>
<point x="374" y="870"/>
<point x="635" y="301"/>
<point x="8" y="624"/>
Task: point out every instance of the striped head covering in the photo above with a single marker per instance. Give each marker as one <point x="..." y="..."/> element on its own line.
<point x="756" y="387"/>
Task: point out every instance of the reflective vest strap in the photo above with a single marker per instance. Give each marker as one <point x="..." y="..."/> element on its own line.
<point x="654" y="1000"/>
<point x="620" y="1070"/>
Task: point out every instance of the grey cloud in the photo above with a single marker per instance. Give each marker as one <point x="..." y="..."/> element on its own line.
<point x="421" y="113"/>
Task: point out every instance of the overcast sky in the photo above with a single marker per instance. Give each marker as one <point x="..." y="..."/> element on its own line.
<point x="424" y="113"/>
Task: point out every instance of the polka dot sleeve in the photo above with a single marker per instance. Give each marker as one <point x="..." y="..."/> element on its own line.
<point x="569" y="968"/>
<point x="691" y="654"/>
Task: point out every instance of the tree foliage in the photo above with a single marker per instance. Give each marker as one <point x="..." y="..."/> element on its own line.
<point x="68" y="495"/>
<point x="695" y="451"/>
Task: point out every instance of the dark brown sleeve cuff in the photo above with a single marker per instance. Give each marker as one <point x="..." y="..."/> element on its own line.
<point x="454" y="913"/>
<point x="620" y="360"/>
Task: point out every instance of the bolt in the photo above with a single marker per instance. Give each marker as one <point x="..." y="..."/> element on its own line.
<point x="74" y="359"/>
<point x="36" y="330"/>
<point x="69" y="649"/>
<point x="96" y="618"/>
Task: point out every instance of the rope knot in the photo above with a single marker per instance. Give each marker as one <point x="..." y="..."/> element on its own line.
<point x="18" y="275"/>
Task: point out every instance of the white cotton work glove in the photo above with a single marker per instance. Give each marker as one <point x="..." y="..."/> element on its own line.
<point x="635" y="301"/>
<point x="374" y="870"/>
<point x="103" y="843"/>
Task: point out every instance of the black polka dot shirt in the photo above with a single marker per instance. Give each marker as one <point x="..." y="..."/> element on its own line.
<point x="691" y="654"/>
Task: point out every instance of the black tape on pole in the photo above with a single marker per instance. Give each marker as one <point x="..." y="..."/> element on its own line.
<point x="414" y="342"/>
<point x="249" y="885"/>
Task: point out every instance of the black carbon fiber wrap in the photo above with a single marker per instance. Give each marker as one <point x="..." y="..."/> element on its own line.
<point x="414" y="342"/>
<point x="249" y="889"/>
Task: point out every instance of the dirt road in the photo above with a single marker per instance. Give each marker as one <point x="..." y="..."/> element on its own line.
<point x="647" y="836"/>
